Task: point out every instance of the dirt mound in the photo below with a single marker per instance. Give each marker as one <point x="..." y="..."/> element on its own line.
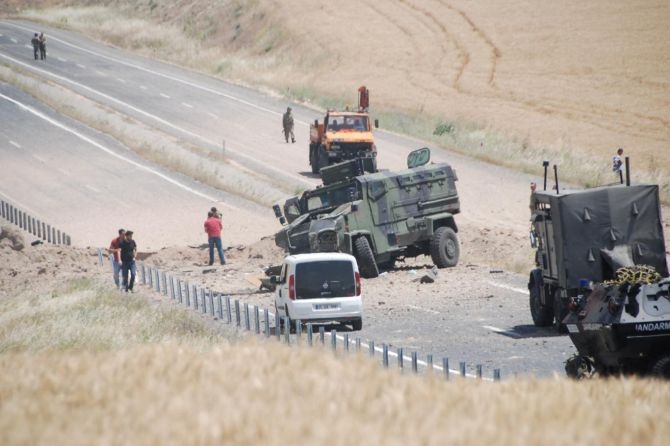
<point x="11" y="237"/>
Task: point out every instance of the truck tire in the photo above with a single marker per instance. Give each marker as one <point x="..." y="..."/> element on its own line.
<point x="560" y="311"/>
<point x="365" y="258"/>
<point x="661" y="367"/>
<point x="322" y="158"/>
<point x="313" y="161"/>
<point x="444" y="248"/>
<point x="543" y="315"/>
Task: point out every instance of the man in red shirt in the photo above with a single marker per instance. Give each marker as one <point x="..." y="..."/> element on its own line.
<point x="213" y="228"/>
<point x="115" y="255"/>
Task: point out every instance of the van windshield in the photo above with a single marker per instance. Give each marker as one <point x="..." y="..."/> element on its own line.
<point x="325" y="279"/>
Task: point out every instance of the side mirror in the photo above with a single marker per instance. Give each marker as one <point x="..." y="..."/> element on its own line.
<point x="354" y="207"/>
<point x="277" y="210"/>
<point x="282" y="220"/>
<point x="376" y="123"/>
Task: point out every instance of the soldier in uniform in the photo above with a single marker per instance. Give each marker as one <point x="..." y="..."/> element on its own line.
<point x="36" y="45"/>
<point x="287" y="122"/>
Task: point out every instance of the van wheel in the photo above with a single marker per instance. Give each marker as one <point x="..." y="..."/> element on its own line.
<point x="661" y="368"/>
<point x="357" y="324"/>
<point x="365" y="258"/>
<point x="444" y="248"/>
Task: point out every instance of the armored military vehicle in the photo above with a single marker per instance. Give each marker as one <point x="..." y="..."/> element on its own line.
<point x="378" y="217"/>
<point x="621" y="327"/>
<point x="588" y="235"/>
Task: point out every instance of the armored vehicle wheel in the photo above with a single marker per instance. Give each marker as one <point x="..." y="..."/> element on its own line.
<point x="560" y="311"/>
<point x="365" y="258"/>
<point x="357" y="324"/>
<point x="543" y="315"/>
<point x="661" y="368"/>
<point x="444" y="248"/>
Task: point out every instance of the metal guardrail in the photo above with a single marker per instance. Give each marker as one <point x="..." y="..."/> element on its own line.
<point x="267" y="324"/>
<point x="33" y="226"/>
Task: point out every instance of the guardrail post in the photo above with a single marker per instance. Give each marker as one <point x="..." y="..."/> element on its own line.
<point x="247" y="325"/>
<point x="151" y="277"/>
<point x="187" y="289"/>
<point x="203" y="297"/>
<point x="462" y="366"/>
<point x="59" y="239"/>
<point x="266" y="316"/>
<point x="278" y="326"/>
<point x="333" y="339"/>
<point x="415" y="363"/>
<point x="211" y="303"/>
<point x="49" y="233"/>
<point x="401" y="358"/>
<point x="385" y="356"/>
<point x="298" y="329"/>
<point x="372" y="349"/>
<point x="44" y="231"/>
<point x="496" y="374"/>
<point x="429" y="363"/>
<point x="158" y="280"/>
<point x="445" y="367"/>
<point x="179" y="291"/>
<point x="172" y="287"/>
<point x="287" y="330"/>
<point x="238" y="318"/>
<point x="346" y="342"/>
<point x="310" y="333"/>
<point x="196" y="298"/>
<point x="479" y="371"/>
<point x="358" y="344"/>
<point x="229" y="317"/>
<point x="257" y="320"/>
<point x="322" y="335"/>
<point x="219" y="300"/>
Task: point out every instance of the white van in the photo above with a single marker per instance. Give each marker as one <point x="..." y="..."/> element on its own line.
<point x="320" y="287"/>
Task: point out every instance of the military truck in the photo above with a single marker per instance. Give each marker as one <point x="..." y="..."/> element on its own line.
<point x="344" y="135"/>
<point x="378" y="217"/>
<point x="586" y="236"/>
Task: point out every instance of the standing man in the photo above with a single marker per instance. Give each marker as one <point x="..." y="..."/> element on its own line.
<point x="36" y="45"/>
<point x="213" y="228"/>
<point x="617" y="164"/>
<point x="115" y="255"/>
<point x="128" y="251"/>
<point x="43" y="46"/>
<point x="287" y="122"/>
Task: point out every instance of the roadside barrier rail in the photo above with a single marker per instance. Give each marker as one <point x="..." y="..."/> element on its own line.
<point x="267" y="324"/>
<point x="33" y="226"/>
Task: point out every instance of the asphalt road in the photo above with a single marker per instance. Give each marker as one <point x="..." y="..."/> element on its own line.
<point x="77" y="179"/>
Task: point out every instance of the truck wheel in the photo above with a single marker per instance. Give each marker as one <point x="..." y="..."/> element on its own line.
<point x="543" y="315"/>
<point x="661" y="368"/>
<point x="322" y="159"/>
<point x="365" y="258"/>
<point x="444" y="248"/>
<point x="560" y="311"/>
<point x="357" y="324"/>
<point x="313" y="161"/>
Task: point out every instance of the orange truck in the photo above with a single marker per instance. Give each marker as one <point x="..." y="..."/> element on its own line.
<point x="344" y="135"/>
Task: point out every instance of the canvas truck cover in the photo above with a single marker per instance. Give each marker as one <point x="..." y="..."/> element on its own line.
<point x="598" y="230"/>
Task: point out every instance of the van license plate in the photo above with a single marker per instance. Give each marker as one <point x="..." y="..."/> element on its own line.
<point x="325" y="306"/>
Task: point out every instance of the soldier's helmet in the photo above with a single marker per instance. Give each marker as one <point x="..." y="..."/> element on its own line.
<point x="288" y="109"/>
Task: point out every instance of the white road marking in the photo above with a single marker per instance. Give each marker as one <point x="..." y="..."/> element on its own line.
<point x="65" y="172"/>
<point x="60" y="59"/>
<point x="123" y="81"/>
<point x="143" y="87"/>
<point x="213" y="115"/>
<point x="14" y="40"/>
<point x="165" y="96"/>
<point x="107" y="150"/>
<point x="239" y="153"/>
<point x="186" y="105"/>
<point x="101" y="73"/>
<point x="414" y="307"/>
<point x="508" y="287"/>
<point x="15" y="144"/>
<point x="97" y="191"/>
<point x="28" y="46"/>
<point x="81" y="66"/>
<point x="501" y="331"/>
<point x="39" y="158"/>
<point x="166" y="76"/>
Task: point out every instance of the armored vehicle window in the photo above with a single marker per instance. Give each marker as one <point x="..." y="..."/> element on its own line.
<point x="325" y="279"/>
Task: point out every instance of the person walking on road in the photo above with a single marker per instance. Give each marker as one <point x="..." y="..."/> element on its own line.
<point x="287" y="122"/>
<point x="36" y="45"/>
<point x="115" y="256"/>
<point x="213" y="228"/>
<point x="43" y="46"/>
<point x="128" y="252"/>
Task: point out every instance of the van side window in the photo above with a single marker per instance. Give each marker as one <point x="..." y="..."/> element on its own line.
<point x="282" y="275"/>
